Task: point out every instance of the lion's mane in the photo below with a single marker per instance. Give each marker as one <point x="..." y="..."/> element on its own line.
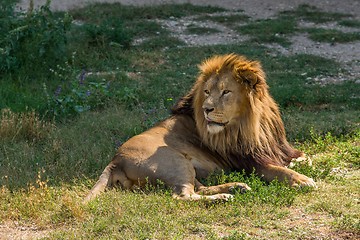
<point x="259" y="136"/>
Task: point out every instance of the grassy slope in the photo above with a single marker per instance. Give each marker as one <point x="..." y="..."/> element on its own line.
<point x="46" y="169"/>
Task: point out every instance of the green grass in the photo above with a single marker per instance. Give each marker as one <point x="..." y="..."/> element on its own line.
<point x="201" y="30"/>
<point x="228" y="20"/>
<point x="280" y="28"/>
<point x="49" y="162"/>
<point x="270" y="30"/>
<point x="332" y="36"/>
<point x="350" y="23"/>
<point x="313" y="14"/>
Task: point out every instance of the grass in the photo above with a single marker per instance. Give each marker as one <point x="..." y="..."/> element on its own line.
<point x="201" y="30"/>
<point x="350" y="23"/>
<point x="228" y="20"/>
<point x="332" y="36"/>
<point x="48" y="162"/>
<point x="278" y="29"/>
<point x="313" y="14"/>
<point x="270" y="30"/>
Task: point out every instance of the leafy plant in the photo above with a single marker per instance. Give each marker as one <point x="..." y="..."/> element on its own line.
<point x="107" y="33"/>
<point x="36" y="38"/>
<point x="77" y="93"/>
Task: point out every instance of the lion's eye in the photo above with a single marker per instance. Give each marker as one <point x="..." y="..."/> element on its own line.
<point x="226" y="92"/>
<point x="207" y="92"/>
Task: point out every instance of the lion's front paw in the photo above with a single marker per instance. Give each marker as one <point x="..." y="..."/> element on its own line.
<point x="301" y="180"/>
<point x="239" y="187"/>
<point x="222" y="197"/>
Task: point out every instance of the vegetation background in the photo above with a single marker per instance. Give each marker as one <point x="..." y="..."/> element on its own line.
<point x="74" y="85"/>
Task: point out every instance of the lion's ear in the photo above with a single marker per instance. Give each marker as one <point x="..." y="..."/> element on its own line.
<point x="252" y="75"/>
<point x="184" y="105"/>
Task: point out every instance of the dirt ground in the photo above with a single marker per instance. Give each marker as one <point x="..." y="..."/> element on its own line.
<point x="253" y="8"/>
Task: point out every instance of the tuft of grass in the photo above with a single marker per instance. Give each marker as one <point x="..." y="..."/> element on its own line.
<point x="350" y="23"/>
<point x="201" y="30"/>
<point x="312" y="14"/>
<point x="23" y="126"/>
<point x="270" y="30"/>
<point x="332" y="36"/>
<point x="228" y="20"/>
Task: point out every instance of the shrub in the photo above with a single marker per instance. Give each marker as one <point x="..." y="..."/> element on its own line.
<point x="109" y="32"/>
<point x="31" y="41"/>
<point x="77" y="92"/>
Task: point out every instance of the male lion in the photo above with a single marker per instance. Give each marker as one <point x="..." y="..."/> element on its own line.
<point x="227" y="121"/>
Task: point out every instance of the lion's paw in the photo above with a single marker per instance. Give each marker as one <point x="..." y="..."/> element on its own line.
<point x="221" y="197"/>
<point x="303" y="160"/>
<point x="239" y="187"/>
<point x="303" y="181"/>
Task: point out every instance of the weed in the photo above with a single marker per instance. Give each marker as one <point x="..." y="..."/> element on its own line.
<point x="77" y="93"/>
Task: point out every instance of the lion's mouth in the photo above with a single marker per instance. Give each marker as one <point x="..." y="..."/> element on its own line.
<point x="213" y="123"/>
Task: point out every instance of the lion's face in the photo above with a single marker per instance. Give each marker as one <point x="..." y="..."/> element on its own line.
<point x="224" y="101"/>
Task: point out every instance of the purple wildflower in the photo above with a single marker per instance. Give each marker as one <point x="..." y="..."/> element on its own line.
<point x="57" y="91"/>
<point x="118" y="143"/>
<point x="88" y="93"/>
<point x="82" y="77"/>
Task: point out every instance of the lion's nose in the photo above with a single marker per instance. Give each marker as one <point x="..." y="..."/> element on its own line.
<point x="208" y="110"/>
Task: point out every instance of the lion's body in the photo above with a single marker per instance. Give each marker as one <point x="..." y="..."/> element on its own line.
<point x="227" y="121"/>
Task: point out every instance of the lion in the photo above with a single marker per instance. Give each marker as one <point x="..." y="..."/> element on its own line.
<point x="228" y="121"/>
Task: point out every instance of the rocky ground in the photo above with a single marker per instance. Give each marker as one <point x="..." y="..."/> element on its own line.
<point x="348" y="54"/>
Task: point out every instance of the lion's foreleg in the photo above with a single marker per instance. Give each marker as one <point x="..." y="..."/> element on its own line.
<point x="186" y="192"/>
<point x="283" y="174"/>
<point x="223" y="188"/>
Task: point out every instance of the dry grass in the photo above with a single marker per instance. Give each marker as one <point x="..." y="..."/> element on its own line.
<point x="26" y="125"/>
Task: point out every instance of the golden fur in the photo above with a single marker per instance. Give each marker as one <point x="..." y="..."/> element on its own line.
<point x="227" y="121"/>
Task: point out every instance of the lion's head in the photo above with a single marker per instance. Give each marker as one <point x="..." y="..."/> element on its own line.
<point x="234" y="113"/>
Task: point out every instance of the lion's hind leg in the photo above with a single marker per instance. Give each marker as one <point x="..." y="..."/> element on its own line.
<point x="223" y="188"/>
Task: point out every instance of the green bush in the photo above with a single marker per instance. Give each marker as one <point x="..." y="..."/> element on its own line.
<point x="31" y="41"/>
<point x="77" y="92"/>
<point x="109" y="32"/>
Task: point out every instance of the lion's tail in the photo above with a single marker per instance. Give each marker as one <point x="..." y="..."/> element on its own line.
<point x="101" y="184"/>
